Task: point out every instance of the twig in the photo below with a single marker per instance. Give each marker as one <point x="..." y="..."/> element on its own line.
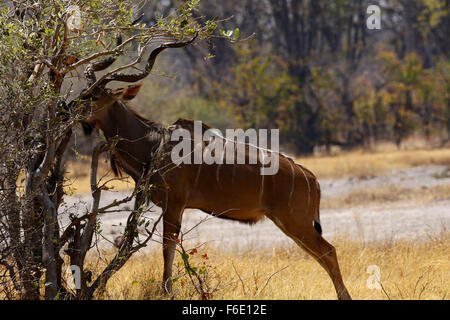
<point x="268" y="279"/>
<point x="240" y="279"/>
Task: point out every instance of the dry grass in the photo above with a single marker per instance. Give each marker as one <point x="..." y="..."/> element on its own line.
<point x="363" y="164"/>
<point x="387" y="194"/>
<point x="409" y="270"/>
<point x="79" y="177"/>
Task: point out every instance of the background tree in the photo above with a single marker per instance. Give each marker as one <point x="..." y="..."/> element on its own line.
<point x="338" y="74"/>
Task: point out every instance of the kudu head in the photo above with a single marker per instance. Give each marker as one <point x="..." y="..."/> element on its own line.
<point x="99" y="99"/>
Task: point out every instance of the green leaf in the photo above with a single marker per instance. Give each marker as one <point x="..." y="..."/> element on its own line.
<point x="236" y="33"/>
<point x="226" y="33"/>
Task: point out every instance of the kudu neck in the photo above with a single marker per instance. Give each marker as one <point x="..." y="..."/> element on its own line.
<point x="138" y="138"/>
<point x="123" y="122"/>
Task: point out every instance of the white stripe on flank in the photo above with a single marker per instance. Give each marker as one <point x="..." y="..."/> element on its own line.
<point x="217" y="172"/>
<point x="306" y="178"/>
<point x="261" y="191"/>
<point x="292" y="184"/>
<point x="198" y="174"/>
<point x="307" y="182"/>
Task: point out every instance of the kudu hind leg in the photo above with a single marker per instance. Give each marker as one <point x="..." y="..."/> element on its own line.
<point x="171" y="227"/>
<point x="325" y="254"/>
<point x="308" y="238"/>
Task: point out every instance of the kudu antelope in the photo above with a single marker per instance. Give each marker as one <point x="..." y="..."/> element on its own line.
<point x="290" y="198"/>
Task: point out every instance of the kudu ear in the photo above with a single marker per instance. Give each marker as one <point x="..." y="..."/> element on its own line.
<point x="127" y="93"/>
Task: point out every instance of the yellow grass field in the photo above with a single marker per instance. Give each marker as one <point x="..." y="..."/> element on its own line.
<point x="363" y="164"/>
<point x="78" y="174"/>
<point x="387" y="194"/>
<point x="408" y="270"/>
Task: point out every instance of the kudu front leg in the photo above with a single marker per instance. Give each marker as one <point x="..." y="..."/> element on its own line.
<point x="171" y="228"/>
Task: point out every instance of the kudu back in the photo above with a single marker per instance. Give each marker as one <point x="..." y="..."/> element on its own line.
<point x="290" y="198"/>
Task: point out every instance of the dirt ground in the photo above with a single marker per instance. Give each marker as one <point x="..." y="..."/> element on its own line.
<point x="374" y="222"/>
